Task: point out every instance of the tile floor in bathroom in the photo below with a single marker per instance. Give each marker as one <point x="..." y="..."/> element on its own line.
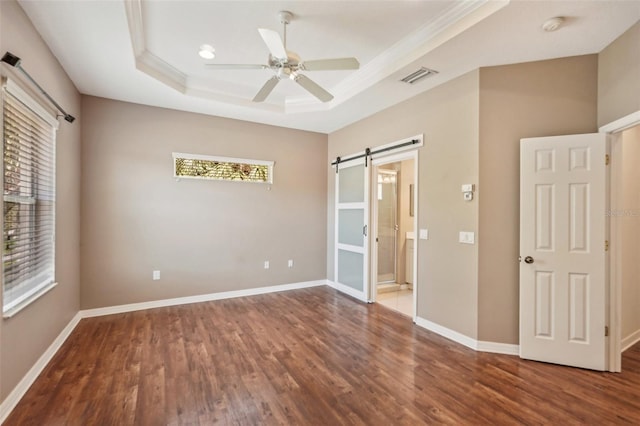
<point x="401" y="301"/>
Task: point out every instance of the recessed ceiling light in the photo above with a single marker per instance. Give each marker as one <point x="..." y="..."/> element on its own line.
<point x="553" y="23"/>
<point x="207" y="51"/>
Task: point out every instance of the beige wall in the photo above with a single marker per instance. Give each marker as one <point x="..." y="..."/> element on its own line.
<point x="628" y="218"/>
<point x="555" y="97"/>
<point x="448" y="118"/>
<point x="204" y="236"/>
<point x="619" y="77"/>
<point x="25" y="337"/>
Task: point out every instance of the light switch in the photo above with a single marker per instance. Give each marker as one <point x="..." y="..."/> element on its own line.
<point x="424" y="234"/>
<point x="156" y="275"/>
<point x="467" y="187"/>
<point x="467" y="237"/>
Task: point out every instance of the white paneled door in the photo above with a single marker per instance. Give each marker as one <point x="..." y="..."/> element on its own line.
<point x="351" y="234"/>
<point x="562" y="250"/>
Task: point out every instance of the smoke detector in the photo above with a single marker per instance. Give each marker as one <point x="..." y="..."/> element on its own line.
<point x="553" y="24"/>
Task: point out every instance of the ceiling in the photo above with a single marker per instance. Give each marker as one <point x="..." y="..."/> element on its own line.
<point x="146" y="51"/>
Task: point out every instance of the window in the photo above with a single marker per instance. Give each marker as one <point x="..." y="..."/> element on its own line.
<point x="28" y="257"/>
<point x="222" y="168"/>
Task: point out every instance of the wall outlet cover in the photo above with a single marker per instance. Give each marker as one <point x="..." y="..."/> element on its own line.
<point x="467" y="237"/>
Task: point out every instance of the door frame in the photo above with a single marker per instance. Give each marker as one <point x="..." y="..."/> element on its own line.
<point x="380" y="160"/>
<point x="614" y="131"/>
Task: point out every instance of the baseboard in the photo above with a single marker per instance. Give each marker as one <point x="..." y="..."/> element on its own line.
<point x="347" y="290"/>
<point x="498" y="348"/>
<point x="481" y="346"/>
<point x="448" y="333"/>
<point x="630" y="340"/>
<point x="118" y="309"/>
<point x="23" y="386"/>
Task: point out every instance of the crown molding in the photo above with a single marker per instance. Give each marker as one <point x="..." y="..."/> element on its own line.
<point x="146" y="61"/>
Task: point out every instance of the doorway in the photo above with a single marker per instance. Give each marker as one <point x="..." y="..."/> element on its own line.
<point x="624" y="216"/>
<point x="394" y="224"/>
<point x="618" y="336"/>
<point x="356" y="216"/>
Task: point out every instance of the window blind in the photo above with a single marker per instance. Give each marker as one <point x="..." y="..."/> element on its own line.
<point x="28" y="258"/>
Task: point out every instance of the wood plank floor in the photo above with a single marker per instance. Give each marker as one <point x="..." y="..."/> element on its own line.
<point x="309" y="357"/>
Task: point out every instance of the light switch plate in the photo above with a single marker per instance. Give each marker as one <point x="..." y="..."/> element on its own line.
<point x="468" y="187"/>
<point x="156" y="275"/>
<point x="424" y="234"/>
<point x="467" y="237"/>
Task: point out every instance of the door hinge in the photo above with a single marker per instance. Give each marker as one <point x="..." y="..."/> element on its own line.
<point x="607" y="159"/>
<point x="606" y="331"/>
<point x="606" y="245"/>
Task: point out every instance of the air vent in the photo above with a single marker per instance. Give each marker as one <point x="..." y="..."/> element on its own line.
<point x="418" y="75"/>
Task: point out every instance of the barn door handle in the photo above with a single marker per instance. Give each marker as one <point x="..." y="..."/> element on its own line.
<point x="364" y="230"/>
<point x="528" y="259"/>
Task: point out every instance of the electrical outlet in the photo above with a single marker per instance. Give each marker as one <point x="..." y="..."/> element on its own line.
<point x="266" y="264"/>
<point x="156" y="275"/>
<point x="290" y="263"/>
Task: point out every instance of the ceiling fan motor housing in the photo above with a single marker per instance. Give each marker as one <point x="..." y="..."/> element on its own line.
<point x="293" y="60"/>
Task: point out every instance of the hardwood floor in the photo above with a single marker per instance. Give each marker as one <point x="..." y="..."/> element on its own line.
<point x="312" y="357"/>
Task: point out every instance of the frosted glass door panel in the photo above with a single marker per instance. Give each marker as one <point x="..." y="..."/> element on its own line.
<point x="350" y="271"/>
<point x="352" y="212"/>
<point x="350" y="227"/>
<point x="351" y="185"/>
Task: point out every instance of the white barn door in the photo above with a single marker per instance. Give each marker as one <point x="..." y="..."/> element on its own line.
<point x="351" y="233"/>
<point x="562" y="250"/>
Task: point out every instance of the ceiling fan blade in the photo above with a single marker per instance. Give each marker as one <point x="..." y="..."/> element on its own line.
<point x="266" y="89"/>
<point x="274" y="43"/>
<point x="235" y="66"/>
<point x="331" y="64"/>
<point x="313" y="88"/>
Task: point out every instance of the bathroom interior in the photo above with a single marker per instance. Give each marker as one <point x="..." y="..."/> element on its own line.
<point x="395" y="236"/>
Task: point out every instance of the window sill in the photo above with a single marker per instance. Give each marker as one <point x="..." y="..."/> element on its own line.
<point x="35" y="296"/>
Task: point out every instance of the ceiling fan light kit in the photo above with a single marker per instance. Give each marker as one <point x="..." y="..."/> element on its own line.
<point x="287" y="65"/>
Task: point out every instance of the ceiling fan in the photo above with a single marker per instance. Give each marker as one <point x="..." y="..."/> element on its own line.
<point x="287" y="64"/>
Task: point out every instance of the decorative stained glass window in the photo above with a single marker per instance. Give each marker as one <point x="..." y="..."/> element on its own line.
<point x="221" y="168"/>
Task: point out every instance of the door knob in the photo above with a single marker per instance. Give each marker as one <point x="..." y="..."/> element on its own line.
<point x="528" y="259"/>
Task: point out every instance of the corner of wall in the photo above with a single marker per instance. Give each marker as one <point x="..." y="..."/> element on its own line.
<point x="618" y="82"/>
